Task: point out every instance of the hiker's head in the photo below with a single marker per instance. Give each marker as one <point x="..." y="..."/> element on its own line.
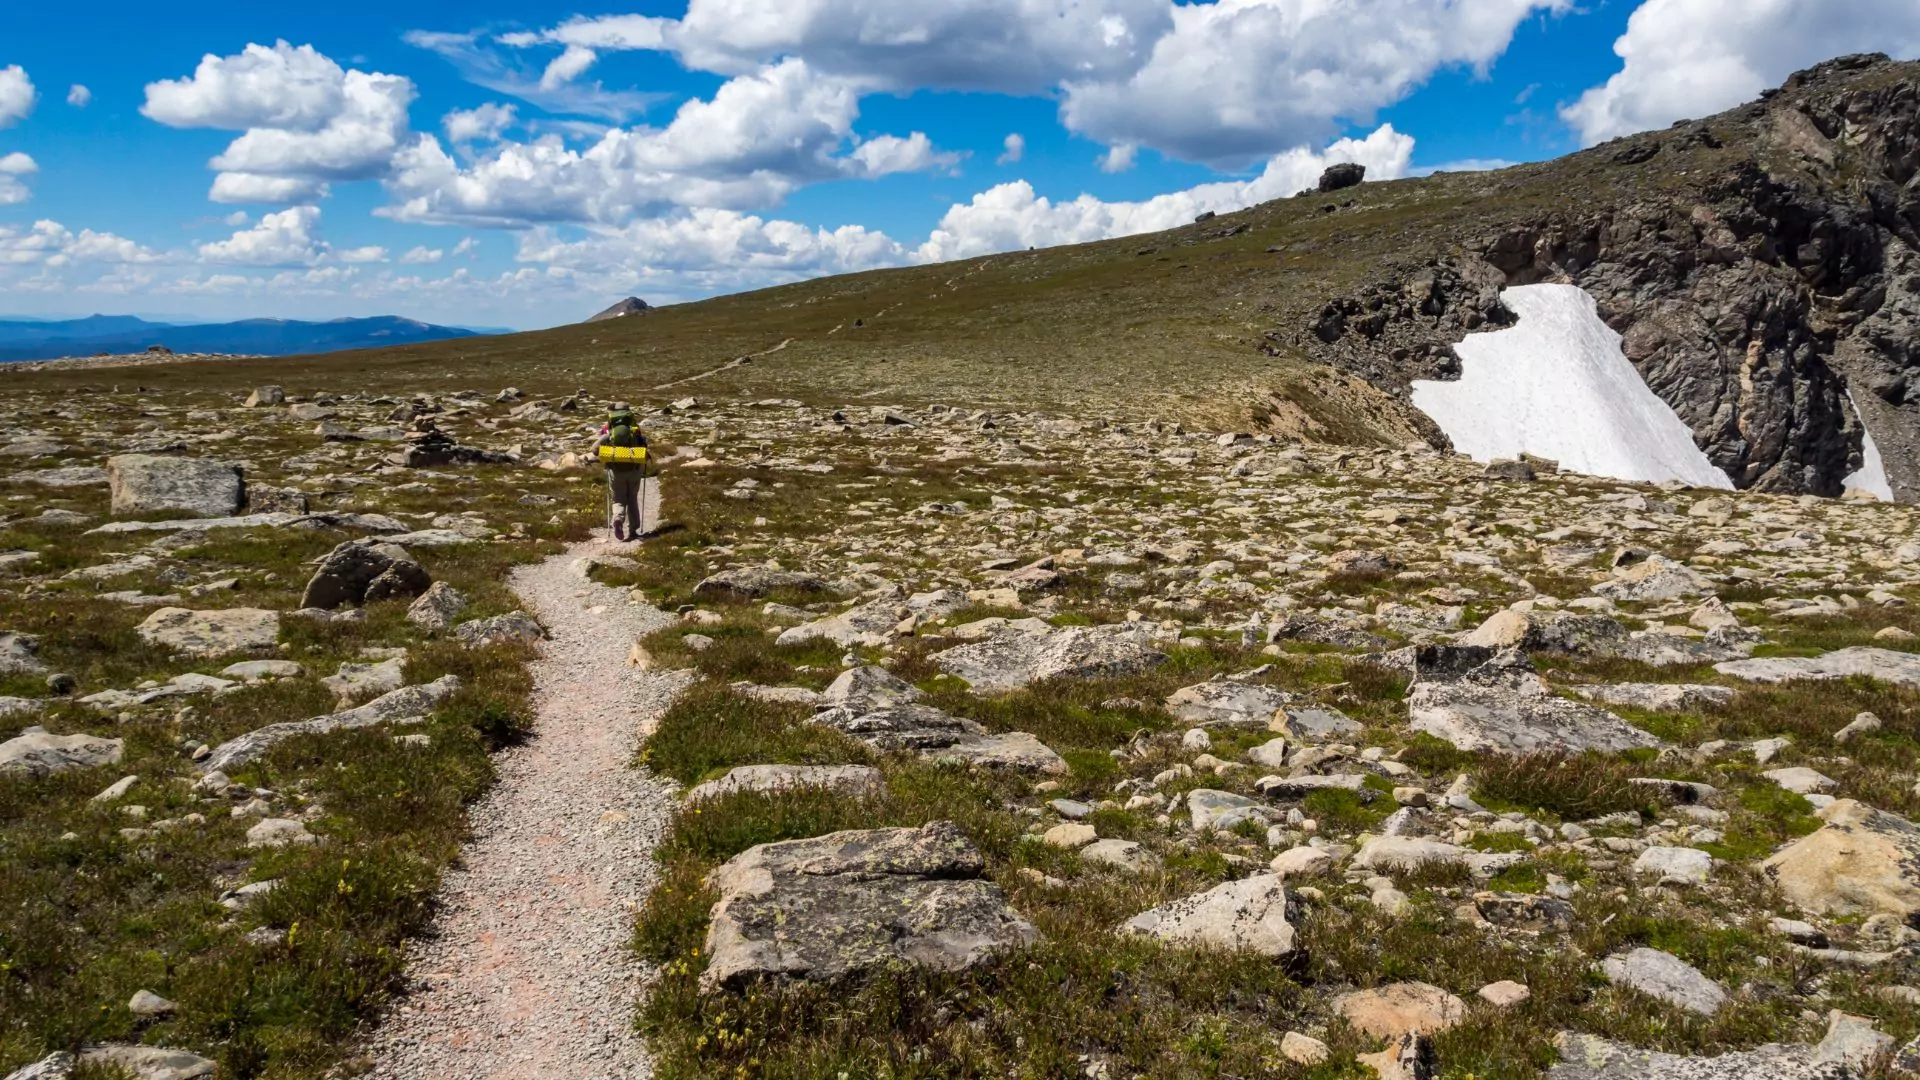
<point x="620" y="414"/>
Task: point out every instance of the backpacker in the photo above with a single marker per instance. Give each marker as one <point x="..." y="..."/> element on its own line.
<point x="622" y="431"/>
<point x="625" y="445"/>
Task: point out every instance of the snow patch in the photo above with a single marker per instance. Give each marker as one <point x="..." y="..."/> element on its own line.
<point x="1872" y="477"/>
<point x="1558" y="386"/>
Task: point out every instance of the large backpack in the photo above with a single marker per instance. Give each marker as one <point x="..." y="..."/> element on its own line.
<point x="623" y="431"/>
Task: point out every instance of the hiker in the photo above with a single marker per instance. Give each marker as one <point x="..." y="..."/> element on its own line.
<point x="624" y="479"/>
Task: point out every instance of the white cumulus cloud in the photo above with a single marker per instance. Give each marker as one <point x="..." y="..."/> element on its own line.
<point x="279" y="239"/>
<point x="79" y="96"/>
<point x="1690" y="58"/>
<point x="422" y="256"/>
<point x="1015" y="148"/>
<point x="1012" y="217"/>
<point x="14" y="166"/>
<point x="483" y="124"/>
<point x="304" y="119"/>
<point x="16" y="95"/>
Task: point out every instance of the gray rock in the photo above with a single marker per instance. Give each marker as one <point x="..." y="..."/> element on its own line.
<point x="146" y="1003"/>
<point x="20" y="655"/>
<point x="11" y="707"/>
<point x="1655" y="578"/>
<point x="1675" y="865"/>
<point x="143" y="484"/>
<point x="516" y="627"/>
<point x="1407" y="853"/>
<point x="358" y="682"/>
<point x="851" y="902"/>
<point x="1249" y="914"/>
<point x="1503" y="706"/>
<point x="36" y="753"/>
<point x="262" y="670"/>
<point x="1222" y="810"/>
<point x="212" y="633"/>
<point x="1657" y="697"/>
<point x="1667" y="977"/>
<point x="407" y="702"/>
<point x="853" y="781"/>
<point x="1863" y="861"/>
<point x="279" y="832"/>
<point x="868" y="687"/>
<point x="1854" y="1042"/>
<point x="1124" y="855"/>
<point x="265" y="397"/>
<point x="1226" y="703"/>
<point x="1316" y="724"/>
<point x="1899" y="668"/>
<point x="753" y="583"/>
<point x="149" y="1062"/>
<point x="67" y="476"/>
<point x="930" y="732"/>
<point x="1587" y="1057"/>
<point x="1009" y="663"/>
<point x="437" y="608"/>
<point x="1299" y="787"/>
<point x="870" y="624"/>
<point x="364" y="571"/>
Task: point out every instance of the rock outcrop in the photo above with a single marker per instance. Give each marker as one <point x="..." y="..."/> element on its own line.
<point x="146" y="484"/>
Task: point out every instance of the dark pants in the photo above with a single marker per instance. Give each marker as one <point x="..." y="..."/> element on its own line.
<point x="625" y="485"/>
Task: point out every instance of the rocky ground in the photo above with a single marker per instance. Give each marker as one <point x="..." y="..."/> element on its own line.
<point x="1012" y="745"/>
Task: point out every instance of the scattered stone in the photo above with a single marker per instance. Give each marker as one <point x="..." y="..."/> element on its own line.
<point x="1505" y="994"/>
<point x="1249" y="914"/>
<point x="753" y="583"/>
<point x="1223" y="810"/>
<point x="279" y="832"/>
<point x="1503" y="706"/>
<point x="516" y="627"/>
<point x="252" y="671"/>
<point x="1226" y="703"/>
<point x="1864" y="724"/>
<point x="1005" y="664"/>
<point x="850" y="902"/>
<point x="1667" y="977"/>
<point x="1301" y="862"/>
<point x="1124" y="855"/>
<point x="1304" y="1049"/>
<point x="1675" y="866"/>
<point x="1071" y="836"/>
<point x="1801" y="780"/>
<point x="407" y="702"/>
<point x="143" y="484"/>
<point x="437" y="608"/>
<point x="147" y="1004"/>
<point x="20" y="655"/>
<point x="358" y="682"/>
<point x="1655" y="578"/>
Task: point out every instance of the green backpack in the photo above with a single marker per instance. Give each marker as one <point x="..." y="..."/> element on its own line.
<point x="623" y="431"/>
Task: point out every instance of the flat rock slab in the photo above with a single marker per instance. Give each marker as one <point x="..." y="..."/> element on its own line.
<point x="1861" y="862"/>
<point x="1222" y="810"/>
<point x="1005" y="664"/>
<point x="140" y="1062"/>
<point x="1313" y="723"/>
<point x="840" y="905"/>
<point x="853" y="781"/>
<point x="1587" y="1057"/>
<point x="404" y="703"/>
<point x="378" y="523"/>
<point x="1299" y="787"/>
<point x="1409" y="1008"/>
<point x="516" y="627"/>
<point x="20" y="655"/>
<point x="36" y="753"/>
<point x="1249" y="914"/>
<point x="933" y="733"/>
<point x="752" y="583"/>
<point x="1226" y="703"/>
<point x="1899" y="668"/>
<point x="870" y="624"/>
<point x="1504" y="707"/>
<point x="66" y="476"/>
<point x="1667" y="977"/>
<point x="1657" y="697"/>
<point x="212" y="633"/>
<point x="145" y="484"/>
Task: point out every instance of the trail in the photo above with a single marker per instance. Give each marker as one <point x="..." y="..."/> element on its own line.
<point x="528" y="973"/>
<point x="728" y="366"/>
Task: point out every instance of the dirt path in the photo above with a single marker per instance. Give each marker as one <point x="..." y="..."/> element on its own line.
<point x="528" y="974"/>
<point x="728" y="366"/>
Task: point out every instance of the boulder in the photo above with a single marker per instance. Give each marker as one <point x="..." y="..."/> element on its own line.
<point x="1123" y="855"/>
<point x="1899" y="668"/>
<point x="1675" y="865"/>
<point x="405" y="703"/>
<point x="1344" y="175"/>
<point x="364" y="571"/>
<point x="853" y="781"/>
<point x="265" y="397"/>
<point x="212" y="633"/>
<point x="1408" y="1008"/>
<point x="1004" y="664"/>
<point x="1587" y="1057"/>
<point x="1654" y="578"/>
<point x="1503" y="706"/>
<point x="870" y="624"/>
<point x="358" y="682"/>
<point x="932" y="733"/>
<point x="1249" y="914"/>
<point x="869" y="687"/>
<point x="516" y="627"/>
<point x="1311" y="723"/>
<point x="1667" y="977"/>
<point x="1222" y="810"/>
<point x="144" y="484"/>
<point x="1547" y="631"/>
<point x="841" y="905"/>
<point x="437" y="607"/>
<point x="36" y="753"/>
<point x="1227" y="703"/>
<point x="1861" y="862"/>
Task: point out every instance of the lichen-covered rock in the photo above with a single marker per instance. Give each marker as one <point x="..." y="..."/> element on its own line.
<point x="1887" y="665"/>
<point x="852" y="781"/>
<point x="1504" y="706"/>
<point x="753" y="582"/>
<point x="1228" y="703"/>
<point x="1249" y="914"/>
<point x="145" y="484"/>
<point x="1409" y="1008"/>
<point x="516" y="627"/>
<point x="1861" y="862"/>
<point x="852" y="902"/>
<point x="437" y="608"/>
<point x="36" y="753"/>
<point x="363" y="572"/>
<point x="1588" y="1057"/>
<point x="1667" y="977"/>
<point x="20" y="655"/>
<point x="212" y="633"/>
<point x="404" y="703"/>
<point x="1007" y="663"/>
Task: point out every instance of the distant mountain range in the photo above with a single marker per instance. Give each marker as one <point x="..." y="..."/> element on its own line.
<point x="121" y="334"/>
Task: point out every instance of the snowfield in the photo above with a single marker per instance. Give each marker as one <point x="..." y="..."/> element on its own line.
<point x="1558" y="386"/>
<point x="1872" y="477"/>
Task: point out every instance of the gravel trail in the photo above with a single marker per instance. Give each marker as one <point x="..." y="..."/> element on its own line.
<point x="527" y="972"/>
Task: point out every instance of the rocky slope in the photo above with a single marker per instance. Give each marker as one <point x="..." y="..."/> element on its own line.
<point x="1760" y="265"/>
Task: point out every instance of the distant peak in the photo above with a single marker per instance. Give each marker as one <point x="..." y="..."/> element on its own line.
<point x="632" y="305"/>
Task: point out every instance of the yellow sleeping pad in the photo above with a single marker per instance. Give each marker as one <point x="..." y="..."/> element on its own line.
<point x="624" y="455"/>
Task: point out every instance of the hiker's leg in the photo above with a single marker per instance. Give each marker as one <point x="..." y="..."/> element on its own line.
<point x="626" y="494"/>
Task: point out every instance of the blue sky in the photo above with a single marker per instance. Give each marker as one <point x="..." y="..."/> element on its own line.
<point x="525" y="164"/>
